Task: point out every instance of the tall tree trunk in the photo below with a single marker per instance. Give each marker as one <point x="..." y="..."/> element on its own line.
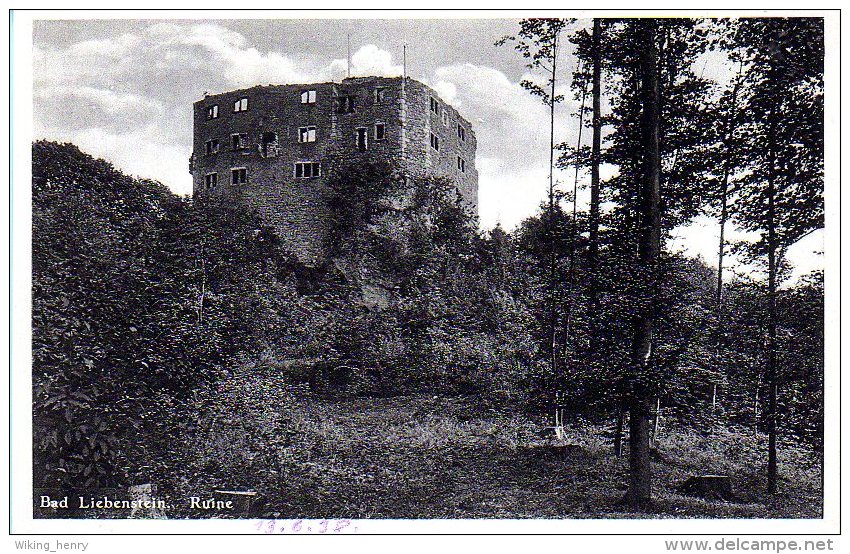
<point x="724" y="191"/>
<point x="571" y="274"/>
<point x="656" y="423"/>
<point x="202" y="297"/>
<point x="722" y="247"/>
<point x="596" y="151"/>
<point x="553" y="325"/>
<point x="719" y="291"/>
<point x="649" y="250"/>
<point x="618" y="429"/>
<point x="773" y="384"/>
<point x="756" y="415"/>
<point x="724" y="215"/>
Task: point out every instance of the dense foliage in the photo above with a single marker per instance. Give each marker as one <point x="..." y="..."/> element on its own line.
<point x="141" y="296"/>
<point x="134" y="291"/>
<point x="175" y="338"/>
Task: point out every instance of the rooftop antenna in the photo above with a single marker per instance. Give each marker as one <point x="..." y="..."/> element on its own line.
<point x="404" y="59"/>
<point x="348" y="60"/>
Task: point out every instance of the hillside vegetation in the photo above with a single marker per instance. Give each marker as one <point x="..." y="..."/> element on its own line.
<point x="176" y="343"/>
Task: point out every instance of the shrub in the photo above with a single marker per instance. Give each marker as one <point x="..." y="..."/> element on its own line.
<point x="240" y="433"/>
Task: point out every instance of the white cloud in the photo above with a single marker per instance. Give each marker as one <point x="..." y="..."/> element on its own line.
<point x="109" y="101"/>
<point x="143" y="152"/>
<point x="169" y="54"/>
<point x="512" y="129"/>
<point x="371" y="60"/>
<point x="448" y="92"/>
<point x="367" y="61"/>
<point x="128" y="98"/>
<point x="225" y="51"/>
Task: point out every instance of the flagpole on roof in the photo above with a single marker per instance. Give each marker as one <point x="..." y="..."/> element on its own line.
<point x="348" y="59"/>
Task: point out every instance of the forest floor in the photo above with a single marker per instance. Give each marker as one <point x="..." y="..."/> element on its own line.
<point x="435" y="457"/>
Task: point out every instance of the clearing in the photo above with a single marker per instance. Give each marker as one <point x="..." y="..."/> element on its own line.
<point x="436" y="457"/>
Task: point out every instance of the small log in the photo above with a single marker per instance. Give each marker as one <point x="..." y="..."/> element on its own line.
<point x="710" y="487"/>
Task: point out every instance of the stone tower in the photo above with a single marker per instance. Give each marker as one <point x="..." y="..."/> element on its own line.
<point x="269" y="146"/>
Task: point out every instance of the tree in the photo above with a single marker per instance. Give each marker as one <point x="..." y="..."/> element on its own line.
<point x="728" y="105"/>
<point x="596" y="154"/>
<point x="660" y="130"/>
<point x="538" y="42"/>
<point x="589" y="51"/>
<point x="727" y="112"/>
<point x="649" y="249"/>
<point x="127" y="305"/>
<point x="780" y="193"/>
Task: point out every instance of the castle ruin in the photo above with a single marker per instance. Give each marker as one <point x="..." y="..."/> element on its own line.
<point x="270" y="146"/>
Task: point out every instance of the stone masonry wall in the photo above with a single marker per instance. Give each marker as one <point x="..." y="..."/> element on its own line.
<point x="422" y="122"/>
<point x="296" y="207"/>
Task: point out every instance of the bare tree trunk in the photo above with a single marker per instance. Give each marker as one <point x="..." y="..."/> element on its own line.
<point x="756" y="407"/>
<point x="571" y="274"/>
<point x="724" y="199"/>
<point x="656" y="423"/>
<point x="724" y="215"/>
<point x="596" y="151"/>
<point x="719" y="293"/>
<point x="553" y="326"/>
<point x="203" y="287"/>
<point x="722" y="247"/>
<point x="649" y="250"/>
<point x="618" y="430"/>
<point x="773" y="385"/>
<point x="639" y="493"/>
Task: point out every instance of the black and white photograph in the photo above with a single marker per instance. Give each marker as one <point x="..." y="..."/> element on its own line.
<point x="421" y="271"/>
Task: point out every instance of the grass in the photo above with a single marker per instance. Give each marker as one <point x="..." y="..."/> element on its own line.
<point x="435" y="457"/>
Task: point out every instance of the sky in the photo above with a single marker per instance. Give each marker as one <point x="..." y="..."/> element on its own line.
<point x="123" y="90"/>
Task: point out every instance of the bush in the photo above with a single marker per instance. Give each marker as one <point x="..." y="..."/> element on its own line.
<point x="241" y="433"/>
<point x="135" y="292"/>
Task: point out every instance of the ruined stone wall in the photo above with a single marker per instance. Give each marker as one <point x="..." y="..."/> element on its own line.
<point x="295" y="206"/>
<point x="422" y="122"/>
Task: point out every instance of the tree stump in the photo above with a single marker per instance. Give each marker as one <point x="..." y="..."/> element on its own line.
<point x="710" y="487"/>
<point x="561" y="451"/>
